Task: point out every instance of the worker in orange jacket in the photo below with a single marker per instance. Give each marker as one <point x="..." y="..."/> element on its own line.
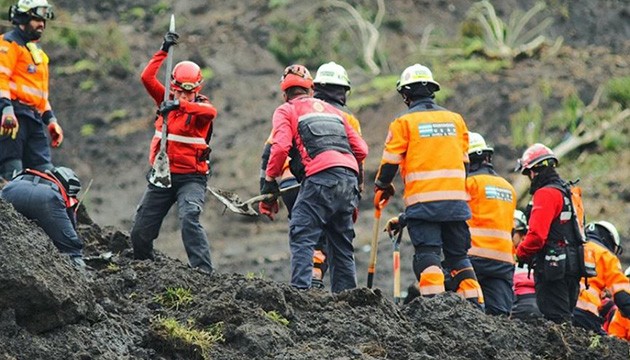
<point x="603" y="243"/>
<point x="429" y="145"/>
<point x="492" y="202"/>
<point x="619" y="325"/>
<point x="26" y="111"/>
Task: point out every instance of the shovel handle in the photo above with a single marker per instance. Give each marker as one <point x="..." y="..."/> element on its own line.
<point x="396" y="262"/>
<point x="374" y="248"/>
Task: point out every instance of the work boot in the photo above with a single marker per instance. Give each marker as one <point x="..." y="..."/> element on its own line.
<point x="412" y="292"/>
<point x="77" y="262"/>
<point x="317" y="284"/>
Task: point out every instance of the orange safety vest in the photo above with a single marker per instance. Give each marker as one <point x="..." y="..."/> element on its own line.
<point x="431" y="146"/>
<point x="492" y="203"/>
<point x="619" y="326"/>
<point x="609" y="277"/>
<point x="23" y="71"/>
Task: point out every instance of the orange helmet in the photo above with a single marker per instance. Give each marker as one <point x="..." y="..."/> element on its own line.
<point x="535" y="155"/>
<point x="186" y="76"/>
<point x="296" y="75"/>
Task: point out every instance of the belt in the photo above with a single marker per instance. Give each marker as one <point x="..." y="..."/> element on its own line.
<point x="37" y="180"/>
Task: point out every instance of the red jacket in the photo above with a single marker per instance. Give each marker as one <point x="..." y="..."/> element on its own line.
<point x="285" y="133"/>
<point x="523" y="281"/>
<point x="189" y="127"/>
<point x="547" y="205"/>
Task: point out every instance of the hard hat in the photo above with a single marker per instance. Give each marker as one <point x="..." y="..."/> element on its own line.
<point x="24" y="10"/>
<point x="68" y="179"/>
<point x="608" y="234"/>
<point x="627" y="272"/>
<point x="476" y="144"/>
<point x="332" y="74"/>
<point x="186" y="76"/>
<point x="520" y="221"/>
<point x="535" y="155"/>
<point x="416" y="74"/>
<point x="296" y="75"/>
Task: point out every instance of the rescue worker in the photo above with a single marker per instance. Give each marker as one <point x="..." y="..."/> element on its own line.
<point x="430" y="145"/>
<point x="492" y="201"/>
<point x="603" y="242"/>
<point x="524" y="306"/>
<point x="551" y="228"/>
<point x="190" y="120"/>
<point x="26" y="111"/>
<point x="619" y="325"/>
<point x="330" y="151"/>
<point x="50" y="198"/>
<point x="331" y="84"/>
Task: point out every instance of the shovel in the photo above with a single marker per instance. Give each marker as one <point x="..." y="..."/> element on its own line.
<point x="160" y="175"/>
<point x="378" y="207"/>
<point x="396" y="261"/>
<point x="233" y="202"/>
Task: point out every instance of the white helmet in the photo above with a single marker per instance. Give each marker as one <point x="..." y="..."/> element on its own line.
<point x="611" y="230"/>
<point x="332" y="74"/>
<point x="416" y="74"/>
<point x="39" y="9"/>
<point x="627" y="272"/>
<point x="477" y="144"/>
<point x="520" y="221"/>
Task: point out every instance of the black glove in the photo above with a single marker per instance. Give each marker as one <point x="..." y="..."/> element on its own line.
<point x="170" y="39"/>
<point x="396" y="224"/>
<point x="383" y="192"/>
<point x="270" y="187"/>
<point x="168" y="105"/>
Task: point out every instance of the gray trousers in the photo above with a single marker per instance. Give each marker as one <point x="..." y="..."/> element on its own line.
<point x="189" y="192"/>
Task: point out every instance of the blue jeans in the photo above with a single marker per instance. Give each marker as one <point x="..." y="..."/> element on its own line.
<point x="40" y="200"/>
<point x="189" y="192"/>
<point x="324" y="205"/>
<point x="30" y="149"/>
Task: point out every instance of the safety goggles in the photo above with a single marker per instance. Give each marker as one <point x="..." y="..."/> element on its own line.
<point x="42" y="13"/>
<point x="186" y="86"/>
<point x="297" y="70"/>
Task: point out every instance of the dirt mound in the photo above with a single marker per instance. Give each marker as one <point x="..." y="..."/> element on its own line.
<point x="125" y="308"/>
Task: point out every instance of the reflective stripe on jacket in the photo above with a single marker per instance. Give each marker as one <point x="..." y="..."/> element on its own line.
<point x="188" y="127"/>
<point x="492" y="202"/>
<point x="285" y="135"/>
<point x="609" y="277"/>
<point x="430" y="144"/>
<point x="23" y="71"/>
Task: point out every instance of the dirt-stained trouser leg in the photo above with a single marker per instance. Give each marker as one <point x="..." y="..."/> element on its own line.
<point x="190" y="200"/>
<point x="150" y="213"/>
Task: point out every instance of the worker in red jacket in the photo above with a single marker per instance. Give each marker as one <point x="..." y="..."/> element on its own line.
<point x="604" y="243"/>
<point x="524" y="306"/>
<point x="190" y="119"/>
<point x="330" y="151"/>
<point x="551" y="230"/>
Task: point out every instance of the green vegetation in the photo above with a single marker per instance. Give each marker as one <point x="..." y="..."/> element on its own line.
<point x="297" y="42"/>
<point x="252" y="275"/>
<point x="186" y="338"/>
<point x="174" y="297"/>
<point x="526" y="125"/>
<point x="618" y="90"/>
<point x="276" y="317"/>
<point x="112" y="268"/>
<point x="87" y="130"/>
<point x="507" y="40"/>
<point x="595" y="342"/>
<point x="118" y="114"/>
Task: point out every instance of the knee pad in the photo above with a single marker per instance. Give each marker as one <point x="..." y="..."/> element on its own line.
<point x="464" y="281"/>
<point x="426" y="266"/>
<point x="319" y="265"/>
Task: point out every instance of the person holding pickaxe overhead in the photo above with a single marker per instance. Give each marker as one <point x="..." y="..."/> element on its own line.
<point x="189" y="117"/>
<point x="331" y="151"/>
<point x="430" y="145"/>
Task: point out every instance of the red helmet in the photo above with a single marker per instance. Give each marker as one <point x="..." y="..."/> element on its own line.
<point x="296" y="75"/>
<point x="535" y="155"/>
<point x="186" y="76"/>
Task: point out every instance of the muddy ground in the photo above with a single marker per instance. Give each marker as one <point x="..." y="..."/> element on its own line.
<point x="48" y="310"/>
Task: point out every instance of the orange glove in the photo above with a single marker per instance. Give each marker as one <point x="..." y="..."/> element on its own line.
<point x="9" y="125"/>
<point x="382" y="195"/>
<point x="56" y="134"/>
<point x="268" y="208"/>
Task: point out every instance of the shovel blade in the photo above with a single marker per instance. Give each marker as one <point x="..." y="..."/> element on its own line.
<point x="161" y="173"/>
<point x="233" y="202"/>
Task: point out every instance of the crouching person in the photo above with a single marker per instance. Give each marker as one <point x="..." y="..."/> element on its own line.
<point x="50" y="198"/>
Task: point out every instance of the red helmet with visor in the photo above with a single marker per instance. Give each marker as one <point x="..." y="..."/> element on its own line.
<point x="186" y="76"/>
<point x="296" y="75"/>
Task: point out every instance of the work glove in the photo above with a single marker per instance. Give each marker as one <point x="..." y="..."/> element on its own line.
<point x="170" y="39"/>
<point x="382" y="193"/>
<point x="268" y="208"/>
<point x="395" y="225"/>
<point x="168" y="106"/>
<point x="56" y="133"/>
<point x="9" y="125"/>
<point x="270" y="187"/>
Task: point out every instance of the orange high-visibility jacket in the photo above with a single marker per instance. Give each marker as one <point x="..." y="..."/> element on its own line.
<point x="431" y="146"/>
<point x="23" y="71"/>
<point x="492" y="203"/>
<point x="609" y="277"/>
<point x="619" y="326"/>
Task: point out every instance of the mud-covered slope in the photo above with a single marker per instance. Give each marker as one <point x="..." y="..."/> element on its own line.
<point x="49" y="310"/>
